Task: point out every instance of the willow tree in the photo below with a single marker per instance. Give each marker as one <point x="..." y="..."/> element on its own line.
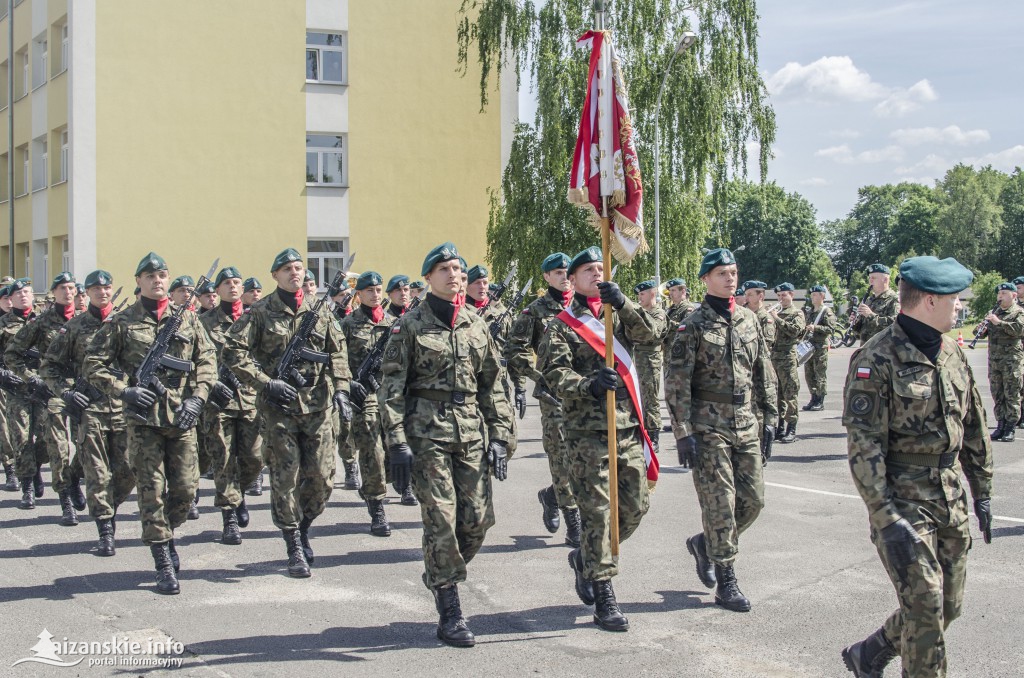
<point x="713" y="108"/>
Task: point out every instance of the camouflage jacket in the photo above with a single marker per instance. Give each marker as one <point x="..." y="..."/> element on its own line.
<point x="898" y="402"/>
<point x="217" y="324"/>
<point x="361" y="333"/>
<point x="767" y="326"/>
<point x="819" y="333"/>
<point x="10" y="325"/>
<point x="568" y="364"/>
<point x="38" y="333"/>
<point x="673" y="319"/>
<point x="490" y="313"/>
<point x="886" y="307"/>
<point x="658" y="319"/>
<point x="789" y="330"/>
<point x="255" y="343"/>
<point x="524" y="341"/>
<point x="718" y="372"/>
<point x="119" y="346"/>
<point x="442" y="383"/>
<point x="64" y="361"/>
<point x="1004" y="339"/>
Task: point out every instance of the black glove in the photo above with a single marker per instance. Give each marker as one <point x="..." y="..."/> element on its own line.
<point x="343" y="404"/>
<point x="521" y="402"/>
<point x="768" y="434"/>
<point x="280" y="392"/>
<point x="401" y="466"/>
<point x="188" y="413"/>
<point x="687" y="449"/>
<point x="357" y="394"/>
<point x="74" y="400"/>
<point x="220" y="395"/>
<point x="374" y="385"/>
<point x="497" y="457"/>
<point x="604" y="380"/>
<point x="9" y="379"/>
<point x="900" y="538"/>
<point x="983" y="509"/>
<point x="138" y="397"/>
<point x="611" y="294"/>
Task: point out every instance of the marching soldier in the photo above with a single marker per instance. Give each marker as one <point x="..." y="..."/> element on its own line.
<point x="649" y="357"/>
<point x="6" y="451"/>
<point x="309" y="285"/>
<point x="441" y="398"/>
<point x="680" y="307"/>
<point x="161" y="421"/>
<point x="299" y="432"/>
<point x="417" y="288"/>
<point x="207" y="296"/>
<point x="345" y="304"/>
<point x="1018" y="283"/>
<point x="478" y="297"/>
<point x="915" y="421"/>
<point x="719" y="376"/>
<point x="102" y="439"/>
<point x="523" y="342"/>
<point x="789" y="328"/>
<point x="1006" y="360"/>
<point x="81" y="298"/>
<point x="398" y="294"/>
<point x="881" y="307"/>
<point x="754" y="291"/>
<point x="252" y="291"/>
<point x="181" y="290"/>
<point x="575" y="370"/>
<point x="821" y="322"/>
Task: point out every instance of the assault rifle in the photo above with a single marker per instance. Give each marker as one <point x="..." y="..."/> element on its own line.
<point x="366" y="374"/>
<point x="499" y="291"/>
<point x="495" y="327"/>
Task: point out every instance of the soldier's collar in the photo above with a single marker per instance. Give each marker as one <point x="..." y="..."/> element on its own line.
<point x="906" y="352"/>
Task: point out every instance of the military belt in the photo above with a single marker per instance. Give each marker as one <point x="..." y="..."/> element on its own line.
<point x="453" y="397"/>
<point x="641" y="348"/>
<point x="929" y="460"/>
<point x="724" y="398"/>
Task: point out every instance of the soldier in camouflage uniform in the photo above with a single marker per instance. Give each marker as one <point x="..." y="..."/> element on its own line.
<point x="648" y="356"/>
<point x="344" y="305"/>
<point x="162" y="445"/>
<point x="299" y="429"/>
<point x="398" y="295"/>
<point x="577" y="374"/>
<point x="821" y="322"/>
<point x="417" y="288"/>
<point x="232" y="426"/>
<point x="81" y="299"/>
<point x="50" y="431"/>
<point x="478" y="297"/>
<point x="1006" y="361"/>
<point x="309" y="285"/>
<point x="252" y="291"/>
<point x="915" y="421"/>
<point x="6" y="451"/>
<point x="183" y="291"/>
<point x="880" y="308"/>
<point x="440" y="397"/>
<point x="523" y="343"/>
<point x="1018" y="284"/>
<point x="789" y="330"/>
<point x="101" y="440"/>
<point x="680" y="307"/>
<point x="754" y="292"/>
<point x="719" y="376"/>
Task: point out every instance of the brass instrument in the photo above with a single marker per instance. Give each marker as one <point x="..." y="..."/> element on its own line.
<point x="981" y="330"/>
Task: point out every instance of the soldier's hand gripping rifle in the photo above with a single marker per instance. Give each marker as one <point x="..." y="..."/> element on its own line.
<point x="82" y="394"/>
<point x="225" y="388"/>
<point x="366" y="373"/>
<point x="496" y="324"/>
<point x="981" y="329"/>
<point x="499" y="291"/>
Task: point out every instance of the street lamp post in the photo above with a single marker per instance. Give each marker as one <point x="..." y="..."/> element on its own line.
<point x="684" y="43"/>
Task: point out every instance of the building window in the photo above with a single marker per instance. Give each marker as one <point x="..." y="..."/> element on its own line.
<point x="23" y="59"/>
<point x="26" y="255"/>
<point x="326" y="258"/>
<point x="39" y="54"/>
<point x="5" y="73"/>
<point x="64" y="53"/>
<point x="65" y="257"/>
<point x="4" y="178"/>
<point x="325" y="160"/>
<point x="64" y="155"/>
<point x="26" y="175"/>
<point x="39" y="157"/>
<point x="325" y="58"/>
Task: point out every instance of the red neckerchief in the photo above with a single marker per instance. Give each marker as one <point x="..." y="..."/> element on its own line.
<point x="594" y="304"/>
<point x="299" y="296"/>
<point x="732" y="305"/>
<point x="161" y="306"/>
<point x="236" y="309"/>
<point x="477" y="303"/>
<point x="105" y="311"/>
<point x="67" y="312"/>
<point x="23" y="312"/>
<point x="377" y="314"/>
<point x="566" y="297"/>
<point x="459" y="301"/>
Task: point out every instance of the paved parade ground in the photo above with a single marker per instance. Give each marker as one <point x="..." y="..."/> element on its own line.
<point x="807" y="566"/>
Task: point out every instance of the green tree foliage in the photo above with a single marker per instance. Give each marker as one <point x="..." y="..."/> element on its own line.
<point x="1008" y="255"/>
<point x="970" y="222"/>
<point x="984" y="289"/>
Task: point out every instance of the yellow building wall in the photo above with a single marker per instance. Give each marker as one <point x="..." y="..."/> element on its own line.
<point x="421" y="155"/>
<point x="200" y="134"/>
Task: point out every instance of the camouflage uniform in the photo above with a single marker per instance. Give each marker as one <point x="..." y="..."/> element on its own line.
<point x="886" y="307"/>
<point x="674" y="318"/>
<point x="648" y="357"/>
<point x="912" y="426"/>
<point x="1006" y="363"/>
<point x="22" y="419"/>
<point x="164" y="456"/>
<point x="816" y="367"/>
<point x="568" y="364"/>
<point x="441" y="394"/>
<point x="719" y="377"/>
<point x="789" y="328"/>
<point x="767" y="323"/>
<point x="343" y="429"/>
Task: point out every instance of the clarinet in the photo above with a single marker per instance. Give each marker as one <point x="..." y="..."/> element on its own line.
<point x="982" y="329"/>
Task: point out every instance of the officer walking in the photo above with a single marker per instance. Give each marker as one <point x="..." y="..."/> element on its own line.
<point x="6" y="451"/>
<point x="1006" y="360"/>
<point x="789" y="329"/>
<point x="821" y="322"/>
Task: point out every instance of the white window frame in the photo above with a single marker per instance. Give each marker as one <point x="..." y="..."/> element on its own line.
<point x="27" y="248"/>
<point x="26" y="83"/>
<point x="44" y="58"/>
<point x="320" y="49"/>
<point x="320" y="151"/>
<point x="320" y="256"/>
<point x="64" y="45"/>
<point x="26" y="178"/>
<point x="44" y="159"/>
<point x="65" y="257"/>
<point x="64" y="156"/>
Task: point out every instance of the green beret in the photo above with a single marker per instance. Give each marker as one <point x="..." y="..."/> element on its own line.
<point x="587" y="256"/>
<point x="819" y="288"/>
<point x="1019" y="280"/>
<point x="151" y="263"/>
<point x="207" y="288"/>
<point x="1009" y="286"/>
<point x="79" y="288"/>
<point x="936" y="276"/>
<point x="227" y="273"/>
<point x="755" y="285"/>
<point x="554" y="261"/>
<point x="62" y="278"/>
<point x="880" y="268"/>
<point x="182" y="281"/>
<point x="19" y="284"/>
<point x="645" y="285"/>
<point x="740" y="292"/>
<point x="286" y="257"/>
<point x="5" y="291"/>
<point x="441" y="253"/>
<point x="251" y="284"/>
<point x="463" y="265"/>
<point x="368" y="279"/>
<point x="308" y="275"/>
<point x="99" y="277"/>
<point x="675" y="282"/>
<point x="717" y="257"/>
<point x="417" y="285"/>
<point x="477" y="272"/>
<point x="785" y="287"/>
<point x="396" y="282"/>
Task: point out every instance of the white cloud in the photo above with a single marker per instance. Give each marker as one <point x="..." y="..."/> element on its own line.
<point x="845" y="133"/>
<point x="934" y="135"/>
<point x="815" y="181"/>
<point x="902" y="101"/>
<point x="844" y="155"/>
<point x="931" y="163"/>
<point x="1005" y="160"/>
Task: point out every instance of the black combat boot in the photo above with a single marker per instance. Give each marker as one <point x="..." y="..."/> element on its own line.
<point x="175" y="561"/>
<point x="584" y="587"/>
<point x="607" y="614"/>
<point x="811" y="403"/>
<point x="231" y="536"/>
<point x="307" y="550"/>
<point x="698" y="549"/>
<point x="106" y="529"/>
<point x="353" y="479"/>
<point x="728" y="594"/>
<point x="256" y="489"/>
<point x="451" y="627"/>
<point x="790" y="435"/>
<point x="780" y="430"/>
<point x="1008" y="432"/>
<point x="166" y="582"/>
<point x="68" y="518"/>
<point x="193" y="508"/>
<point x="297" y="565"/>
<point x="408" y="498"/>
<point x="28" y="500"/>
<point x="998" y="433"/>
<point x="869" y="657"/>
<point x="242" y="512"/>
<point x="573" y="526"/>
<point x="1020" y="422"/>
<point x="12" y="480"/>
<point x="37" y="482"/>
<point x="818" y="405"/>
<point x="75" y="492"/>
<point x="379" y="526"/>
<point x="550" y="508"/>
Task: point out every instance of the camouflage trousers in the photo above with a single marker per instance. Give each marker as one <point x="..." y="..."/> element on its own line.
<point x="648" y="368"/>
<point x="300" y="455"/>
<point x="167" y="473"/>
<point x="730" y="487"/>
<point x="6" y="449"/>
<point x="789" y="386"/>
<point x="816" y="371"/>
<point x="1004" y="378"/>
<point x="452" y="484"/>
<point x="234" y="445"/>
<point x="552" y="426"/>
<point x="38" y="436"/>
<point x="343" y="435"/>
<point x="202" y="451"/>
<point x="366" y="438"/>
<point x="588" y="478"/>
<point x="102" y="445"/>
<point x="676" y="433"/>
<point x="930" y="591"/>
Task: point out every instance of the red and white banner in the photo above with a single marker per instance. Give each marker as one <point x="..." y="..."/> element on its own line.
<point x="605" y="162"/>
<point x="591" y="330"/>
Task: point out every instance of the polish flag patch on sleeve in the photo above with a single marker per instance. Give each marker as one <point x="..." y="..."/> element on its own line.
<point x="863" y="372"/>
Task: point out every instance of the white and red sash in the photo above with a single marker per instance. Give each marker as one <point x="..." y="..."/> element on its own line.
<point x="592" y="331"/>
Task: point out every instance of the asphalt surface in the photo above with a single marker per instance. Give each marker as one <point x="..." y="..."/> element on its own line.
<point x="807" y="565"/>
